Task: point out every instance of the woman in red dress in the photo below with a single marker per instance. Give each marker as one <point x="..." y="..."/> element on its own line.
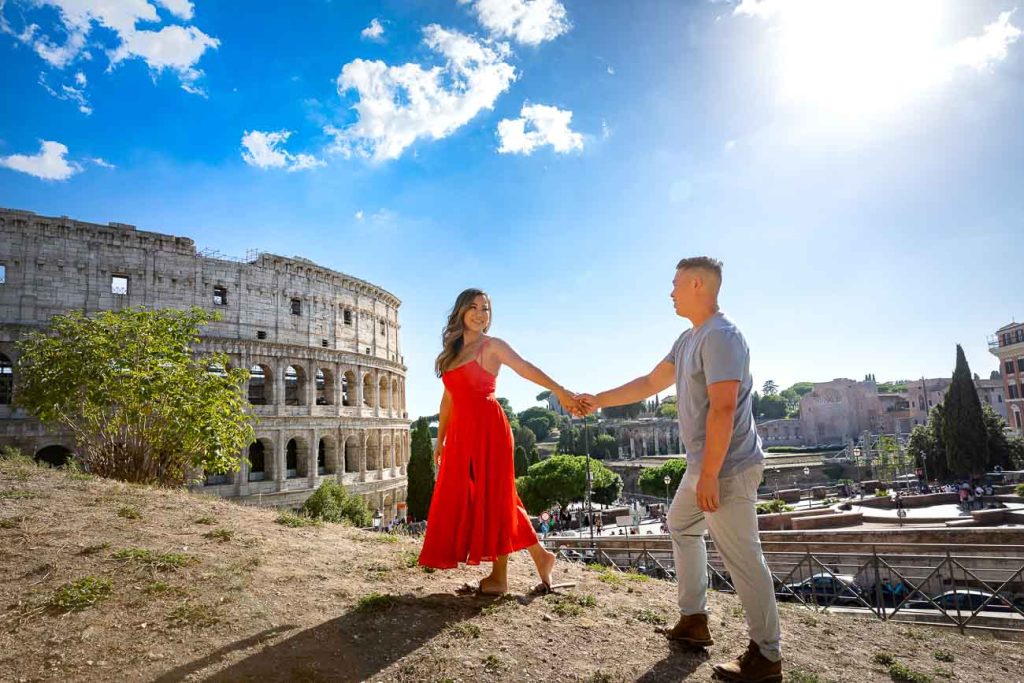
<point x="475" y="514"/>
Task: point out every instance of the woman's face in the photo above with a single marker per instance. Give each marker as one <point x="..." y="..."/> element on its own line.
<point x="477" y="317"/>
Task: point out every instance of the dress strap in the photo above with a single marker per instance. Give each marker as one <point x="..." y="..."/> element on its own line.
<point x="480" y="351"/>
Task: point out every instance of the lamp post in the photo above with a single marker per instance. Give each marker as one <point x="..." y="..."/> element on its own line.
<point x="667" y="480"/>
<point x="590" y="504"/>
<point x="377" y="519"/>
<point x="860" y="463"/>
<point x="807" y="474"/>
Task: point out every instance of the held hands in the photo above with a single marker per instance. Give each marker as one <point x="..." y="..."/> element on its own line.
<point x="568" y="400"/>
<point x="588" y="402"/>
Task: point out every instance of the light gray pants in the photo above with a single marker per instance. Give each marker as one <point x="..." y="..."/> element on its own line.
<point x="734" y="530"/>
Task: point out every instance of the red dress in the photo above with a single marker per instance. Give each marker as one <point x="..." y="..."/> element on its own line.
<point x="475" y="515"/>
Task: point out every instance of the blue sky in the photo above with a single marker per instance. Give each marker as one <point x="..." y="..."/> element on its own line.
<point x="857" y="165"/>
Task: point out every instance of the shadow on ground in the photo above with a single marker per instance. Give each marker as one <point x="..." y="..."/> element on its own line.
<point x="352" y="647"/>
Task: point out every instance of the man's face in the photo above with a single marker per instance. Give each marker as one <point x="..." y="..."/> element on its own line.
<point x="683" y="292"/>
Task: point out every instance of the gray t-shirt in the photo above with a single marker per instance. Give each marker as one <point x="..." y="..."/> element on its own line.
<point x="714" y="352"/>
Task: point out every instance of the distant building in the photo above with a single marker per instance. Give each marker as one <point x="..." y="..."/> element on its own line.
<point x="782" y="432"/>
<point x="1008" y="346"/>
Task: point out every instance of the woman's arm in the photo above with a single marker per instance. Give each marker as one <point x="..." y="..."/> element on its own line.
<point x="442" y="425"/>
<point x="527" y="370"/>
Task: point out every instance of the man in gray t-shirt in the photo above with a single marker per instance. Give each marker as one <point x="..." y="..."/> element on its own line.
<point x="710" y="365"/>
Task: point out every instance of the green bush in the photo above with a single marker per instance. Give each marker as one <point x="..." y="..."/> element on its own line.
<point x="772" y="506"/>
<point x="1019" y="490"/>
<point x="332" y="503"/>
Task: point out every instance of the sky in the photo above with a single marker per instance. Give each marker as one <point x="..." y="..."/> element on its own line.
<point x="856" y="164"/>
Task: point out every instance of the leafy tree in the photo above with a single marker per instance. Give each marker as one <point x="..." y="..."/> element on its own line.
<point x="628" y="411"/>
<point x="562" y="479"/>
<point x="770" y="388"/>
<point x="539" y="426"/>
<point x="922" y="450"/>
<point x="421" y="471"/>
<point x="524" y="437"/>
<point x="964" y="431"/>
<point x="652" y="479"/>
<point x="534" y="456"/>
<point x="998" y="444"/>
<point x="522" y="461"/>
<point x="668" y="409"/>
<point x="509" y="413"/>
<point x="755" y="404"/>
<point x="1015" y="446"/>
<point x="802" y="388"/>
<point x="568" y="439"/>
<point x="332" y="503"/>
<point x="772" y="407"/>
<point x="141" y="405"/>
<point x="605" y="447"/>
<point x="543" y="396"/>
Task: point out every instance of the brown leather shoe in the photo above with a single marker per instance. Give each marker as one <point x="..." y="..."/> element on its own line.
<point x="691" y="630"/>
<point x="751" y="667"/>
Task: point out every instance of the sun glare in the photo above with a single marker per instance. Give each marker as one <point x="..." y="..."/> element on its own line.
<point x="858" y="57"/>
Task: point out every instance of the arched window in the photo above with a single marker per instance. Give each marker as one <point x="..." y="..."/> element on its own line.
<point x="291" y="460"/>
<point x="321" y="458"/>
<point x="259" y="385"/>
<point x="257" y="461"/>
<point x="294" y="382"/>
<point x="6" y="380"/>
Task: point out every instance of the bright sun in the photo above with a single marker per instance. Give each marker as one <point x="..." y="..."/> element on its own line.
<point x="859" y="57"/>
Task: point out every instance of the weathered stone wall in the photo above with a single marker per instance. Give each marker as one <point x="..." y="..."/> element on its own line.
<point x="327" y="343"/>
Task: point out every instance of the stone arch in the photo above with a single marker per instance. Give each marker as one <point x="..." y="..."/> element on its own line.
<point x="327" y="456"/>
<point x="384" y="387"/>
<point x="294" y="385"/>
<point x="368" y="390"/>
<point x="348" y="388"/>
<point x="372" y="451"/>
<point x="261" y="385"/>
<point x="55" y="455"/>
<point x="387" y="451"/>
<point x="261" y="460"/>
<point x="324" y="379"/>
<point x="395" y="402"/>
<point x="296" y="458"/>
<point x="351" y="454"/>
<point x="6" y="381"/>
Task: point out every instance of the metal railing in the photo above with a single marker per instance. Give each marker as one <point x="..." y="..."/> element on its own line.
<point x="921" y="583"/>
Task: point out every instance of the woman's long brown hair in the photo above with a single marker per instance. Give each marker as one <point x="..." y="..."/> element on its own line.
<point x="451" y="337"/>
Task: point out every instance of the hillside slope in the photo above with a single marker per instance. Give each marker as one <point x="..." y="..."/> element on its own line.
<point x="203" y="589"/>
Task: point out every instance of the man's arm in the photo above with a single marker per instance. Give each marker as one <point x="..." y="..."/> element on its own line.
<point x="658" y="379"/>
<point x="722" y="399"/>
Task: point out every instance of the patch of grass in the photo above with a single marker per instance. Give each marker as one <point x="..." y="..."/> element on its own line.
<point x="220" y="534"/>
<point x="10" y="522"/>
<point x="93" y="549"/>
<point x="492" y="664"/>
<point x="943" y="656"/>
<point x="77" y="595"/>
<point x="635" y="577"/>
<point x="290" y="519"/>
<point x="650" y="617"/>
<point x="194" y="614"/>
<point x="209" y="520"/>
<point x="18" y="494"/>
<point x="572" y="605"/>
<point x="801" y="676"/>
<point x="374" y="602"/>
<point x="409" y="559"/>
<point x="883" y="658"/>
<point x="377" y="571"/>
<point x="495" y="606"/>
<point x="611" y="578"/>
<point x="736" y="611"/>
<point x="128" y="512"/>
<point x="155" y="560"/>
<point x="381" y="538"/>
<point x="809" y="620"/>
<point x="465" y="630"/>
<point x="900" y="673"/>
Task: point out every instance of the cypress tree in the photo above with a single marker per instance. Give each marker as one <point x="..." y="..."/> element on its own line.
<point x="521" y="461"/>
<point x="421" y="471"/>
<point x="963" y="430"/>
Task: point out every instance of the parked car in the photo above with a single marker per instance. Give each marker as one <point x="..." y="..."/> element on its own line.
<point x="966" y="600"/>
<point x="825" y="589"/>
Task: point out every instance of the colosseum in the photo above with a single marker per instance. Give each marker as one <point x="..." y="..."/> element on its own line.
<point x="327" y="373"/>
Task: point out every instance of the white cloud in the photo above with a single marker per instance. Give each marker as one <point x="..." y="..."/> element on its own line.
<point x="49" y="164"/>
<point x="606" y="131"/>
<point x="399" y="104"/>
<point x="730" y="144"/>
<point x="70" y="93"/>
<point x="764" y="9"/>
<point x="548" y="126"/>
<point x="359" y="215"/>
<point x="102" y="163"/>
<point x="374" y="32"/>
<point x="982" y="52"/>
<point x="173" y="47"/>
<point x="262" y="150"/>
<point x="530" y="22"/>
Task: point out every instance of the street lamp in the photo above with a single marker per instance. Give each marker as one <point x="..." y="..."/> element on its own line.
<point x="377" y="519"/>
<point x="667" y="480"/>
<point x="807" y="474"/>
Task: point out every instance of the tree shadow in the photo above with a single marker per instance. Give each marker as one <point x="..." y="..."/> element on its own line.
<point x="352" y="647"/>
<point x="676" y="666"/>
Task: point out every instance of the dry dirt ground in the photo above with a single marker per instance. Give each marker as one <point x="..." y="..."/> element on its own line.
<point x="226" y="594"/>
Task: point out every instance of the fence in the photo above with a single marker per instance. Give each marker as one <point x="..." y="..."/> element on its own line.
<point x="975" y="587"/>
